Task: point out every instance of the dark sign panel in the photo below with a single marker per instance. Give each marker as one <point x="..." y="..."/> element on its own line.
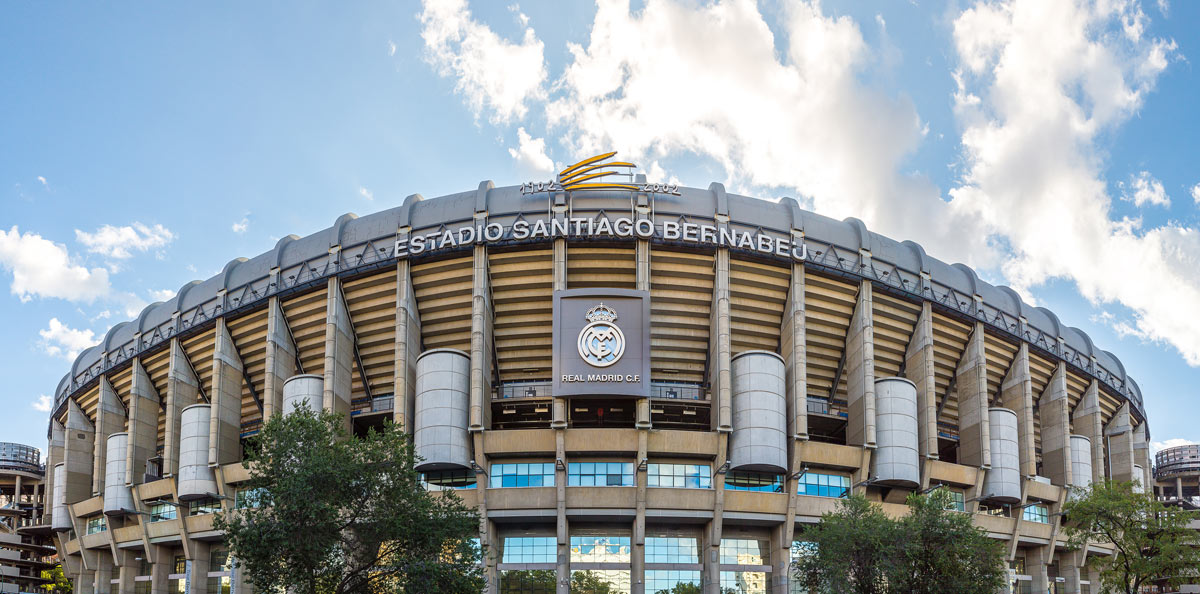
<point x="601" y="342"/>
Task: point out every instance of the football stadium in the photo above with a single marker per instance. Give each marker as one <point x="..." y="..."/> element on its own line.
<point x="654" y="384"/>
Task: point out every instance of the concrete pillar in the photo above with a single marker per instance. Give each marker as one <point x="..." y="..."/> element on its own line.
<point x="720" y="351"/>
<point x="224" y="433"/>
<point x="1088" y="423"/>
<point x="110" y="418"/>
<point x="1119" y="435"/>
<point x="199" y="560"/>
<point x="1069" y="569"/>
<point x="860" y="370"/>
<point x="558" y="413"/>
<point x="974" y="443"/>
<point x="339" y="353"/>
<point x="792" y="345"/>
<point x="103" y="576"/>
<point x="126" y="569"/>
<point x="1054" y="407"/>
<point x="407" y="348"/>
<point x="143" y="425"/>
<point x="643" y="424"/>
<point x="183" y="390"/>
<point x="1179" y="487"/>
<point x="919" y="369"/>
<point x="281" y="358"/>
<point x="481" y="343"/>
<point x="78" y="454"/>
<point x="85" y="581"/>
<point x="1016" y="394"/>
<point x="1036" y="561"/>
<point x="1141" y="457"/>
<point x="161" y="565"/>
<point x="54" y="457"/>
<point x="562" y="526"/>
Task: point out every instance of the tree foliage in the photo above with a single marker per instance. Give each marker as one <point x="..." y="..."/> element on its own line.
<point x="328" y="514"/>
<point x="859" y="549"/>
<point x="1152" y="541"/>
<point x="59" y="583"/>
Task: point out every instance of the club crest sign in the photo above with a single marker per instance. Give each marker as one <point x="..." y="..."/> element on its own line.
<point x="593" y="355"/>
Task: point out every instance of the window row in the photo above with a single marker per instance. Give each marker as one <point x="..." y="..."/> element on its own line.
<point x="621" y="474"/>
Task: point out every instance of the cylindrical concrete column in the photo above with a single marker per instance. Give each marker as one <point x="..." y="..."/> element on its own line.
<point x="1138" y="473"/>
<point x="1081" y="461"/>
<point x="759" y="439"/>
<point x="306" y="388"/>
<point x="60" y="518"/>
<point x="196" y="479"/>
<point x="896" y="460"/>
<point x="1003" y="481"/>
<point x="117" y="499"/>
<point x="442" y="413"/>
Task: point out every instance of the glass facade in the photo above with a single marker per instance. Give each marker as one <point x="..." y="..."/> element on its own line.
<point x="530" y="549"/>
<point x="448" y="479"/>
<point x="743" y="582"/>
<point x="160" y="512"/>
<point x="754" y="481"/>
<point x="600" y="549"/>
<point x="667" y="581"/>
<point x="958" y="501"/>
<point x="527" y="581"/>
<point x="601" y="581"/>
<point x="824" y="485"/>
<point x="244" y="498"/>
<point x="685" y="476"/>
<point x="745" y="551"/>
<point x="672" y="549"/>
<point x="600" y="474"/>
<point x="535" y="474"/>
<point x="204" y="506"/>
<point x="97" y="524"/>
<point x="1037" y="513"/>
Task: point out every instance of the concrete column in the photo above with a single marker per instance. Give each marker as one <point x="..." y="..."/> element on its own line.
<point x="224" y="433"/>
<point x="85" y="581"/>
<point x="143" y="425"/>
<point x="78" y="454"/>
<point x="110" y="418"/>
<point x="1069" y="569"/>
<point x="183" y="390"/>
<point x="281" y="358"/>
<point x="1054" y="406"/>
<point x="407" y="349"/>
<point x="720" y="365"/>
<point x="1119" y="435"/>
<point x="643" y="423"/>
<point x="339" y="353"/>
<point x="103" y="576"/>
<point x="1036" y="561"/>
<point x="781" y="551"/>
<point x="1141" y="457"/>
<point x="54" y="457"/>
<point x="642" y="276"/>
<point x="1088" y="422"/>
<point x="126" y="569"/>
<point x="160" y="567"/>
<point x="199" y="551"/>
<point x="1179" y="487"/>
<point x="793" y="345"/>
<point x="919" y="369"/>
<point x="562" y="527"/>
<point x="1016" y="394"/>
<point x="860" y="370"/>
<point x="481" y="343"/>
<point x="559" y="267"/>
<point x="974" y="443"/>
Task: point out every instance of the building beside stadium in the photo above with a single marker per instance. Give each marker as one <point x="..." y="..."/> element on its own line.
<point x="650" y="383"/>
<point x="25" y="543"/>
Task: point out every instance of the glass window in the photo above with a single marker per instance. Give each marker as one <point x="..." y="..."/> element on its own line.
<point x="745" y="551"/>
<point x="97" y="524"/>
<point x="672" y="549"/>
<point x="180" y="564"/>
<point x="743" y="582"/>
<point x="448" y="479"/>
<point x="957" y="501"/>
<point x="665" y="581"/>
<point x="1037" y="513"/>
<point x="998" y="510"/>
<point x="687" y="476"/>
<point x="824" y="485"/>
<point x="522" y="475"/>
<point x="218" y="559"/>
<point x="160" y="512"/>
<point x="600" y="549"/>
<point x="534" y="581"/>
<point x="142" y="587"/>
<point x="175" y="586"/>
<point x="754" y="481"/>
<point x="530" y="549"/>
<point x="244" y="498"/>
<point x="600" y="474"/>
<point x="218" y="585"/>
<point x="600" y="581"/>
<point x="204" y="506"/>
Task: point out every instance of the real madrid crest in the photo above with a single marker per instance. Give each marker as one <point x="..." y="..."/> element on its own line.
<point x="601" y="342"/>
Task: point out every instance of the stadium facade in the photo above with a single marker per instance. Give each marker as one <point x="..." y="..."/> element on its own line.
<point x="25" y="547"/>
<point x="651" y="384"/>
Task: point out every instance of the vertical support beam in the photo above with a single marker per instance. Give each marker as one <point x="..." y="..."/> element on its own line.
<point x="1054" y="406"/>
<point x="1141" y="457"/>
<point x="143" y="425"/>
<point x="642" y="275"/>
<point x="1036" y="560"/>
<point x="793" y="345"/>
<point x="54" y="457"/>
<point x="1089" y="423"/>
<point x="183" y="390"/>
<point x="407" y="348"/>
<point x="974" y="443"/>
<point x="558" y="422"/>
<point x="110" y="418"/>
<point x="224" y="430"/>
<point x="161" y="565"/>
<point x="78" y="454"/>
<point x="1069" y="565"/>
<point x="1016" y="394"/>
<point x="720" y="355"/>
<point x="103" y="575"/>
<point x="127" y="570"/>
<point x="1119" y="435"/>
<point x="643" y="424"/>
<point x="481" y="343"/>
<point x="919" y="369"/>
<point x="339" y="353"/>
<point x="281" y="358"/>
<point x="199" y="557"/>
<point x="860" y="370"/>
<point x="558" y="413"/>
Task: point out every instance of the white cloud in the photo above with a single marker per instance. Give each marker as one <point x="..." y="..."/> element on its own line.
<point x="161" y="294"/>
<point x="241" y="226"/>
<point x="365" y="193"/>
<point x="1196" y="194"/>
<point x="491" y="73"/>
<point x="1143" y="189"/>
<point x="43" y="403"/>
<point x="1164" y="7"/>
<point x="391" y="48"/>
<point x="530" y="155"/>
<point x="1157" y="446"/>
<point x="116" y="242"/>
<point x="60" y="340"/>
<point x="43" y="180"/>
<point x="42" y="268"/>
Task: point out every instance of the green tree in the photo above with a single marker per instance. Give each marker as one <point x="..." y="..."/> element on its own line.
<point x="1152" y="542"/>
<point x="942" y="552"/>
<point x="847" y="553"/>
<point x="59" y="584"/>
<point x="325" y="513"/>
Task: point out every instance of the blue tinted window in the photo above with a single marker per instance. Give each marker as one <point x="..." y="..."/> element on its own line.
<point x="536" y="474"/>
<point x="530" y="549"/>
<point x="600" y="474"/>
<point x="754" y="481"/>
<point x="824" y="485"/>
<point x="672" y="549"/>
<point x="685" y="476"/>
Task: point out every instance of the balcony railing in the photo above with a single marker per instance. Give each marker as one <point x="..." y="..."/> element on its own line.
<point x="821" y="406"/>
<point x="658" y="390"/>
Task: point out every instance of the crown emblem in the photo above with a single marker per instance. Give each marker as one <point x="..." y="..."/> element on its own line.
<point x="601" y="313"/>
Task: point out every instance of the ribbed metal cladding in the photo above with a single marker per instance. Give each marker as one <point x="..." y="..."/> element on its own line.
<point x="1003" y="481"/>
<point x="759" y="440"/>
<point x="442" y="410"/>
<point x="196" y="479"/>
<point x="1081" y="461"/>
<point x="117" y="500"/>
<point x="60" y="517"/>
<point x="896" y="460"/>
<point x="305" y="388"/>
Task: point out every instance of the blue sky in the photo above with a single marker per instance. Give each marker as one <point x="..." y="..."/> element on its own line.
<point x="1052" y="147"/>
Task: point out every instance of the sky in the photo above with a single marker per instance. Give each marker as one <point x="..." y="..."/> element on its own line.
<point x="1050" y="145"/>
